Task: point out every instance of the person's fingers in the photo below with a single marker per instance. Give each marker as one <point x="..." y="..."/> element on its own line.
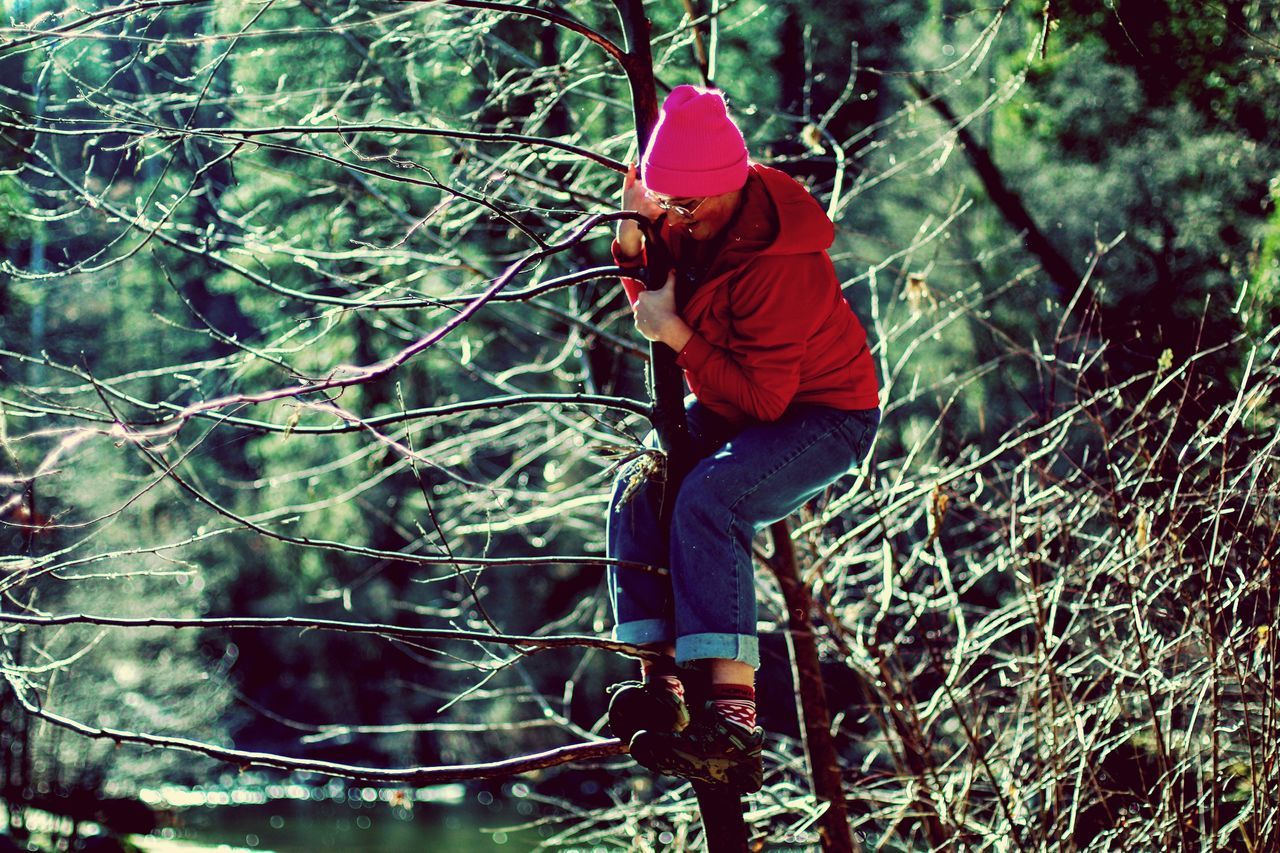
<point x="671" y="279"/>
<point x="630" y="180"/>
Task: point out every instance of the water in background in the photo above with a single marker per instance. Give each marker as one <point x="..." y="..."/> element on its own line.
<point x="359" y="820"/>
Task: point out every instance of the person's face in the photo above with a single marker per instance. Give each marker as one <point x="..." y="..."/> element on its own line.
<point x="701" y="218"/>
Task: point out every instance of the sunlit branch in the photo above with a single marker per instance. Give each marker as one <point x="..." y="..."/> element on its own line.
<point x="72" y="29"/>
<point x="390" y="129"/>
<point x="542" y="287"/>
<point x="524" y="643"/>
<point x="409" y="776"/>
<point x="557" y="18"/>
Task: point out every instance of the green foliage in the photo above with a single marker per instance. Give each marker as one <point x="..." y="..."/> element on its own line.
<point x="1261" y="311"/>
<point x="15" y="220"/>
<point x="1106" y="145"/>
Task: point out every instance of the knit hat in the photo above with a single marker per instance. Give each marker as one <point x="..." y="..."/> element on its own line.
<point x="695" y="148"/>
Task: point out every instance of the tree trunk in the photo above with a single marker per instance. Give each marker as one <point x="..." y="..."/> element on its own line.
<point x="811" y="697"/>
<point x="1066" y="279"/>
<point x="721" y="809"/>
<point x="666" y="382"/>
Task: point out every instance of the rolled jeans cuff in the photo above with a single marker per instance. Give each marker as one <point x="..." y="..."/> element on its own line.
<point x="644" y="631"/>
<point x="739" y="647"/>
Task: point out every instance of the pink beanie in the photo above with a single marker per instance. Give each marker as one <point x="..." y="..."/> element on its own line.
<point x="695" y="148"/>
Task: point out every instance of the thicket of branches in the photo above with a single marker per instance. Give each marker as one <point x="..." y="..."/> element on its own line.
<point x="309" y="322"/>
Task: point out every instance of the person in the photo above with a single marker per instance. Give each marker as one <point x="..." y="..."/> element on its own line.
<point x="784" y="402"/>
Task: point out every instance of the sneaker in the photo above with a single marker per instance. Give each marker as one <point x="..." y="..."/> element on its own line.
<point x="637" y="706"/>
<point x="709" y="750"/>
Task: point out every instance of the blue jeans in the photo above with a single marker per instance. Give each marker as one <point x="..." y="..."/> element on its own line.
<point x="747" y="477"/>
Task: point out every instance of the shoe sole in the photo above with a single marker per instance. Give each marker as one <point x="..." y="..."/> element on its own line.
<point x="695" y="768"/>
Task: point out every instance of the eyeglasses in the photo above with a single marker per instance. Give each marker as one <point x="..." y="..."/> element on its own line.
<point x="678" y="209"/>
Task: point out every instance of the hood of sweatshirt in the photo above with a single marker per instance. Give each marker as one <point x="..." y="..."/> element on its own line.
<point x="802" y="224"/>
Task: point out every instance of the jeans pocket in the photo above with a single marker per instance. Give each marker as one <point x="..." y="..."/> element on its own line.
<point x="859" y="429"/>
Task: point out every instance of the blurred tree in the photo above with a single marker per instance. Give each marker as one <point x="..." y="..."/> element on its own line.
<point x="1158" y="121"/>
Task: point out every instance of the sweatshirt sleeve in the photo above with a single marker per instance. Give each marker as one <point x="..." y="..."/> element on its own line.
<point x="773" y="316"/>
<point x="631" y="284"/>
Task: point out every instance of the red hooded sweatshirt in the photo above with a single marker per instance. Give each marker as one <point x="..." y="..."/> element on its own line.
<point x="770" y="324"/>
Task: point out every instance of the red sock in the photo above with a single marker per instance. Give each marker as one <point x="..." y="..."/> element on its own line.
<point x="664" y="673"/>
<point x="672" y="683"/>
<point x="735" y="703"/>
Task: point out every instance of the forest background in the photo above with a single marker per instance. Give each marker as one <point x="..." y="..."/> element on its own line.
<point x="306" y="309"/>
